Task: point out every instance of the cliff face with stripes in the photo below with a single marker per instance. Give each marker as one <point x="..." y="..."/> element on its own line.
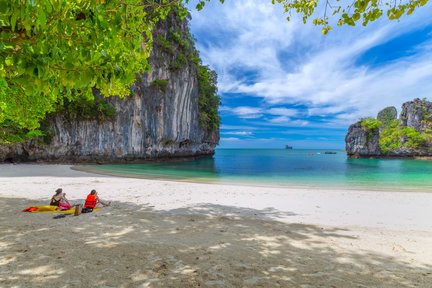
<point x="160" y="118"/>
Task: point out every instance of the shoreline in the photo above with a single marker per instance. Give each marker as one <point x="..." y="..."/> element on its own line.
<point x="323" y="206"/>
<point x="87" y="169"/>
<point x="176" y="234"/>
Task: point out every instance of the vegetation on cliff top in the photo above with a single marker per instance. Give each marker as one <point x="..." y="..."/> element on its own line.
<point x="208" y="100"/>
<point x="371" y="126"/>
<point x="394" y="136"/>
<point x="179" y="49"/>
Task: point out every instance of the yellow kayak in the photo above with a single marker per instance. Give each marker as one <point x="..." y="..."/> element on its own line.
<point x="49" y="208"/>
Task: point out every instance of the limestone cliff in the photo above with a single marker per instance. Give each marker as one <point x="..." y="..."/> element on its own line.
<point x="387" y="136"/>
<point x="160" y="119"/>
<point x="362" y="142"/>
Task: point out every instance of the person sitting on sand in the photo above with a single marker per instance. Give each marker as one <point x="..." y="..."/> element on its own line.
<point x="55" y="199"/>
<point x="59" y="199"/>
<point x="93" y="200"/>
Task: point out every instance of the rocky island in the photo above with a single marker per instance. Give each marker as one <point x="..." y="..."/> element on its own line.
<point x="172" y="112"/>
<point x="409" y="136"/>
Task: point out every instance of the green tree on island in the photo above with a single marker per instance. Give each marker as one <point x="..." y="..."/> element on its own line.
<point x="56" y="51"/>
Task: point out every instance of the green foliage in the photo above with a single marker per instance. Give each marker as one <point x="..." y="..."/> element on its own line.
<point x="165" y="45"/>
<point x="53" y="54"/>
<point x="347" y="13"/>
<point x="11" y="133"/>
<point x="87" y="109"/>
<point x="177" y="43"/>
<point x="208" y="100"/>
<point x="390" y="137"/>
<point x="413" y="138"/>
<point x="370" y="124"/>
<point x="176" y="36"/>
<point x="394" y="136"/>
<point x="200" y="5"/>
<point x="427" y="136"/>
<point x="160" y="84"/>
<point x="179" y="61"/>
<point x="427" y="126"/>
<point x="56" y="50"/>
<point x="352" y="12"/>
<point x="387" y="115"/>
<point x="179" y="47"/>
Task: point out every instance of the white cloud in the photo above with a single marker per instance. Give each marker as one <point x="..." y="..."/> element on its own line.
<point x="280" y="119"/>
<point x="285" y="121"/>
<point x="294" y="64"/>
<point x="307" y="131"/>
<point x="237" y="127"/>
<point x="240" y="133"/>
<point x="244" y="112"/>
<point x="247" y="31"/>
<point x="248" y="112"/>
<point x="229" y="139"/>
<point x="283" y="112"/>
<point x="322" y="111"/>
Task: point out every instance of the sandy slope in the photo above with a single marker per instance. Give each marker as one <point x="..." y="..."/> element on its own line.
<point x="171" y="234"/>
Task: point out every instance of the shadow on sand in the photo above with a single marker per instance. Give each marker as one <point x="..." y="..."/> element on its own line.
<point x="203" y="246"/>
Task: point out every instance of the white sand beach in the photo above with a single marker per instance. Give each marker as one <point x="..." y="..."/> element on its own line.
<point x="177" y="234"/>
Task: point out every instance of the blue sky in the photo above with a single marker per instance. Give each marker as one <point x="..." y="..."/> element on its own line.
<point x="284" y="83"/>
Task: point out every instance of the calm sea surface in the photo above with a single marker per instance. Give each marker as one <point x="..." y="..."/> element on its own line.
<point x="280" y="167"/>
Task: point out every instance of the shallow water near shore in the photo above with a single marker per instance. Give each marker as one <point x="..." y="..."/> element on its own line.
<point x="280" y="167"/>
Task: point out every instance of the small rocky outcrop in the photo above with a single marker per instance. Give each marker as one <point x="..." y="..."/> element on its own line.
<point x="160" y="119"/>
<point x="387" y="115"/>
<point x="388" y="136"/>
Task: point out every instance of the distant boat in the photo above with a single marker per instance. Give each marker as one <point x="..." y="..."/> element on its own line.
<point x="330" y="152"/>
<point x="288" y="147"/>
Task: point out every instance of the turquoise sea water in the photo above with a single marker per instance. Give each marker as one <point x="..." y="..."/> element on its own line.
<point x="280" y="167"/>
